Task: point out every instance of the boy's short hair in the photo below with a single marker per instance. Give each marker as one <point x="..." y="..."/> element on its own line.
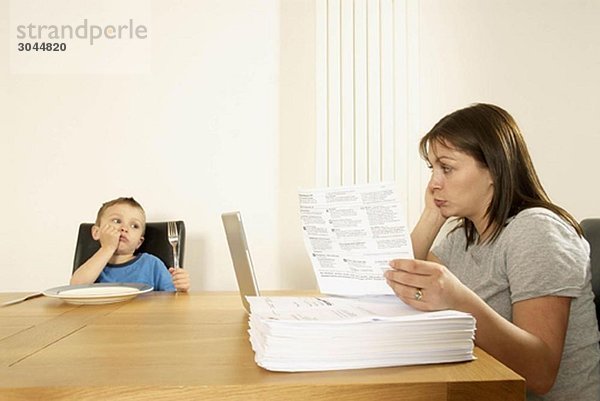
<point x="122" y="200"/>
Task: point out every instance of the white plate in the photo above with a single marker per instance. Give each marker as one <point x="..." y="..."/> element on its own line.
<point x="97" y="293"/>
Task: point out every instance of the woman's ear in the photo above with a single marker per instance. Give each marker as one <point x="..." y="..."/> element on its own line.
<point x="95" y="232"/>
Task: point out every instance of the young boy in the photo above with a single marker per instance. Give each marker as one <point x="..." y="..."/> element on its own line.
<point x="119" y="227"/>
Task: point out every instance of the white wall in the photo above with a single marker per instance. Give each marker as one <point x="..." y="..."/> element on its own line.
<point x="297" y="139"/>
<point x="196" y="137"/>
<point x="231" y="97"/>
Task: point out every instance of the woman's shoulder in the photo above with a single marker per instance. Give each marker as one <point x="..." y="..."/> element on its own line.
<point x="541" y="221"/>
<point x="539" y="214"/>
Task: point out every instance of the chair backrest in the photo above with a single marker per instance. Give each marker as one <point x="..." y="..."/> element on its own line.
<point x="155" y="242"/>
<point x="591" y="231"/>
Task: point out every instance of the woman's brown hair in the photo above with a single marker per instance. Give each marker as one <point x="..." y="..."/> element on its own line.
<point x="491" y="136"/>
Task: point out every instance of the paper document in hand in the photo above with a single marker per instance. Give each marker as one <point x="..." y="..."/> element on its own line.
<point x="351" y="233"/>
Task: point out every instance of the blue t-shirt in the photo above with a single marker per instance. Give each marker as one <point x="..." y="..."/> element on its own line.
<point x="144" y="268"/>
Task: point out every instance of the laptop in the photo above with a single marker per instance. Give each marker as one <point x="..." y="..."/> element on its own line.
<point x="240" y="256"/>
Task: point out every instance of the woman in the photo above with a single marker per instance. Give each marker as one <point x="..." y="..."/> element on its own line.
<point x="515" y="261"/>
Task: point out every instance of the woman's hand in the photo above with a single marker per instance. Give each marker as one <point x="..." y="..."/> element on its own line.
<point x="428" y="227"/>
<point x="430" y="209"/>
<point x="426" y="285"/>
<point x="181" y="279"/>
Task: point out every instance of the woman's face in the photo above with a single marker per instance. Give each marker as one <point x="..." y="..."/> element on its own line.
<point x="460" y="185"/>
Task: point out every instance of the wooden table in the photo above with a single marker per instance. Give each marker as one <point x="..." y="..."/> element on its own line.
<point x="195" y="346"/>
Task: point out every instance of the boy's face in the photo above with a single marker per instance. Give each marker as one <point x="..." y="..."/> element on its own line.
<point x="129" y="221"/>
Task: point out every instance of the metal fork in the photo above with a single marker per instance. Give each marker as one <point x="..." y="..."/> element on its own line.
<point x="173" y="236"/>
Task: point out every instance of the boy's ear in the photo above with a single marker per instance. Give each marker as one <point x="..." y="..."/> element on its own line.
<point x="95" y="232"/>
<point x="139" y="243"/>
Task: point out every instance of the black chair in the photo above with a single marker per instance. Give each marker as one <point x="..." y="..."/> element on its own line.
<point x="155" y="242"/>
<point x="591" y="231"/>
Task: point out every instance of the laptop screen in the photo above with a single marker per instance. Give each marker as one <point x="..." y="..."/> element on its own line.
<point x="240" y="256"/>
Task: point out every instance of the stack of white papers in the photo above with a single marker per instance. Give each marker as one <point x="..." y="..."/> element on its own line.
<point x="294" y="334"/>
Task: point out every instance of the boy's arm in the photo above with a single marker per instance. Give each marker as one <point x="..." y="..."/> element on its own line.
<point x="88" y="272"/>
<point x="91" y="269"/>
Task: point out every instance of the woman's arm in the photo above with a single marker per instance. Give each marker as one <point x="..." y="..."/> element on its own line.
<point x="532" y="346"/>
<point x="427" y="228"/>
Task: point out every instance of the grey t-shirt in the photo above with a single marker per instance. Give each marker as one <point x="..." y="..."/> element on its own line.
<point x="537" y="254"/>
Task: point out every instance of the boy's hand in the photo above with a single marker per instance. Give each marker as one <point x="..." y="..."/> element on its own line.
<point x="109" y="237"/>
<point x="181" y="279"/>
